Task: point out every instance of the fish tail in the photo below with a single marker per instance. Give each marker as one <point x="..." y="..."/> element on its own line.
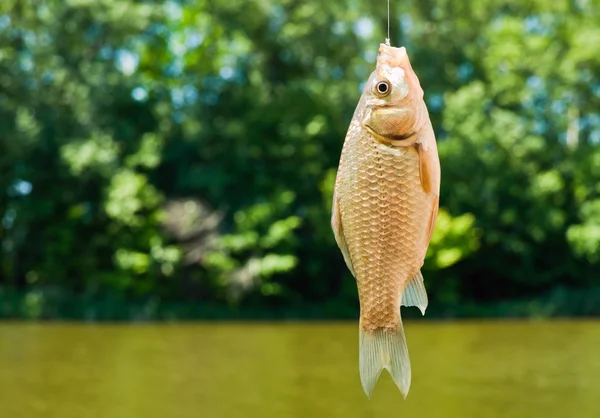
<point x="384" y="348"/>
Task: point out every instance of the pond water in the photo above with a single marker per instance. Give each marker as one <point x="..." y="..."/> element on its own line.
<point x="460" y="369"/>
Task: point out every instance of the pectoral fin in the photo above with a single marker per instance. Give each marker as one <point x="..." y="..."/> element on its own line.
<point x="430" y="173"/>
<point x="336" y="225"/>
<point x="432" y="219"/>
<point x="429" y="162"/>
<point x="426" y="170"/>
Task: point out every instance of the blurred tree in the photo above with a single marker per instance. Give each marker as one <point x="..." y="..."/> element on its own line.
<point x="79" y="213"/>
<point x="185" y="151"/>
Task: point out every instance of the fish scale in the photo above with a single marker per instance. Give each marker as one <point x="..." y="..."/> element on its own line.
<point x="372" y="220"/>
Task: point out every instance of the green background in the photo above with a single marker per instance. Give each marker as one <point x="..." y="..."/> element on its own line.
<point x="176" y="160"/>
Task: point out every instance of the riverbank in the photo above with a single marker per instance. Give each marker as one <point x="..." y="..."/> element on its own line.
<point x="55" y="305"/>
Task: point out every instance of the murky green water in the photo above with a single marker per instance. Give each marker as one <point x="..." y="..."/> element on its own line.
<point x="467" y="370"/>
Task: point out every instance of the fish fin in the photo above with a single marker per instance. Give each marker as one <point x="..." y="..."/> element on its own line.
<point x="415" y="293"/>
<point x="429" y="162"/>
<point x="434" y="212"/>
<point x="336" y="225"/>
<point x="384" y="349"/>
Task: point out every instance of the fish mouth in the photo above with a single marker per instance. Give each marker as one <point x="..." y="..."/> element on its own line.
<point x="392" y="56"/>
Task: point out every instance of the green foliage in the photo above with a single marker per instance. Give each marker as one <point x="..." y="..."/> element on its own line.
<point x="184" y="152"/>
<point x="256" y="250"/>
<point x="585" y="237"/>
<point x="453" y="240"/>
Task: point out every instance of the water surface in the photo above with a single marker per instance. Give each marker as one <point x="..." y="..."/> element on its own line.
<point x="307" y="370"/>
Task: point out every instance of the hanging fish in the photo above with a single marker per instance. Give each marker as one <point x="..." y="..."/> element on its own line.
<point x="384" y="210"/>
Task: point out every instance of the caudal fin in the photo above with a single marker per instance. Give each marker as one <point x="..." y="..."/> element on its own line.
<point x="384" y="349"/>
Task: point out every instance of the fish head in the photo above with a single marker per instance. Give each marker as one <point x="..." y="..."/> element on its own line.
<point x="394" y="108"/>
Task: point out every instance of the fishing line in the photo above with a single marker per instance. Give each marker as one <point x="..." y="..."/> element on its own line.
<point x="387" y="40"/>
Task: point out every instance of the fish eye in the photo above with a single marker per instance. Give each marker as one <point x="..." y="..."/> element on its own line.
<point x="382" y="88"/>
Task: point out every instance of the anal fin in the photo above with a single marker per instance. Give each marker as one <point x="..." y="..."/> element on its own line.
<point x="415" y="293"/>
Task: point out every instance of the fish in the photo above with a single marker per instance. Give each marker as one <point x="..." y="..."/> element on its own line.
<point x="384" y="209"/>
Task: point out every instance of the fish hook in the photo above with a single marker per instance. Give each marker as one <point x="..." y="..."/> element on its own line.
<point x="387" y="40"/>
